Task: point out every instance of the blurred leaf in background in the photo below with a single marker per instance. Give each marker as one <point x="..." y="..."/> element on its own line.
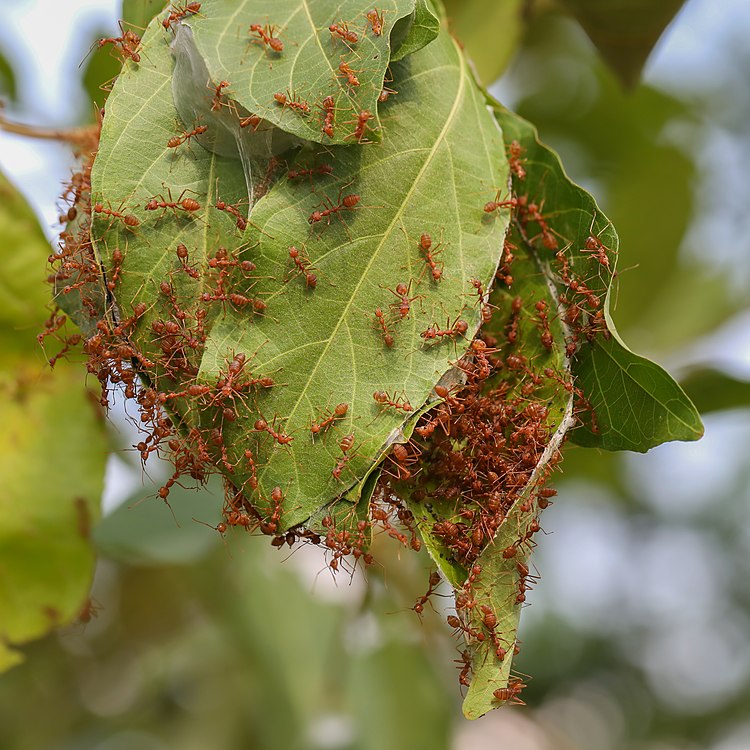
<point x="7" y="78"/>
<point x="624" y="31"/>
<point x="52" y="452"/>
<point x="490" y="32"/>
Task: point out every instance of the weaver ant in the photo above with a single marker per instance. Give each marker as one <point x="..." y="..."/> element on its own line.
<point x="303" y="266"/>
<point x="434" y="582"/>
<point x="184" y="137"/>
<point x="362" y="119"/>
<point x="261" y="425"/>
<point x="189" y="205"/>
<point x="346" y="203"/>
<point x="339" y="412"/>
<point x="329" y="112"/>
<point x="404" y="303"/>
<point x="266" y="37"/>
<point x="397" y="402"/>
<point x="342" y="31"/>
<point x="346" y="444"/>
<point x="595" y="246"/>
<point x="293" y="102"/>
<point x="346" y="71"/>
<point x="458" y="328"/>
<point x="234" y="211"/>
<point x="129" y="43"/>
<point x="376" y="21"/>
<point x="178" y="12"/>
<point x="127" y="219"/>
<point x="436" y="267"/>
<point x="380" y="321"/>
<point x="216" y="103"/>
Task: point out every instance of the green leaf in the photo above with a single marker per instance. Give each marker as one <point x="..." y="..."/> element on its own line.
<point x="397" y="680"/>
<point x="321" y="346"/>
<point x="23" y="293"/>
<point x="489" y="31"/>
<point x="711" y="389"/>
<point x="7" y="78"/>
<point x="308" y="67"/>
<point x="144" y="531"/>
<point x="635" y="403"/>
<point x="413" y="32"/>
<point x="51" y="452"/>
<point x="521" y="338"/>
<point x="624" y="31"/>
<point x="138" y="13"/>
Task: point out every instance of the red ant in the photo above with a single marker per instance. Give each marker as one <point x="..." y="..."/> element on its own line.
<point x="234" y="211"/>
<point x="266" y="36"/>
<point x="328" y="106"/>
<point x="434" y="582"/>
<point x="293" y="102"/>
<point x="376" y="21"/>
<point x="425" y="245"/>
<point x="515" y="150"/>
<point x="362" y="119"/>
<point x="129" y="43"/>
<point x="489" y="620"/>
<point x="494" y="205"/>
<point x="346" y="444"/>
<point x="402" y="403"/>
<point x="271" y="526"/>
<point x="458" y="626"/>
<point x="385" y="94"/>
<point x="339" y="412"/>
<point x="177" y="13"/>
<point x="511" y="692"/>
<point x="404" y="303"/>
<point x="177" y="140"/>
<point x="347" y="202"/>
<point x="459" y="328"/>
<point x="465" y="662"/>
<point x="486" y="307"/>
<point x="253" y="120"/>
<point x="595" y="246"/>
<point x="346" y="71"/>
<point x="341" y="30"/>
<point x="387" y="335"/>
<point x="128" y="219"/>
<point x="190" y="205"/>
<point x="281" y="438"/>
<point x="309" y="172"/>
<point x="216" y="103"/>
<point x="303" y="266"/>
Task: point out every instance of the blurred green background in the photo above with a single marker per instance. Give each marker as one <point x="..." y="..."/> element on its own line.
<point x="638" y="636"/>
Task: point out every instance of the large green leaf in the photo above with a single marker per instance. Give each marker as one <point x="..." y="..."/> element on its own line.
<point x="51" y="452"/>
<point x="308" y="68"/>
<point x="321" y="346"/>
<point x="624" y="31"/>
<point x="635" y="404"/>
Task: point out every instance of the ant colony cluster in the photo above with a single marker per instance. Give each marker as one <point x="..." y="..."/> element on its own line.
<point x="471" y="460"/>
